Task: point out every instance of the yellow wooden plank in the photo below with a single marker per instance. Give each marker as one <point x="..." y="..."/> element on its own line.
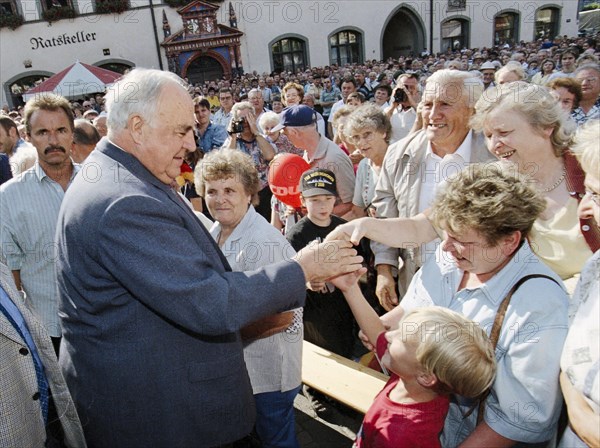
<point x="342" y="379"/>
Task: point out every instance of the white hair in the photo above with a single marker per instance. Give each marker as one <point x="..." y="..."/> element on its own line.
<point x="138" y="92"/>
<point x="472" y="85"/>
<point x="23" y="159"/>
<point x="268" y="118"/>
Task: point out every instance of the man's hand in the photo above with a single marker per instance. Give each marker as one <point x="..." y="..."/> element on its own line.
<point x="386" y="288"/>
<point x="321" y="262"/>
<point x="251" y="119"/>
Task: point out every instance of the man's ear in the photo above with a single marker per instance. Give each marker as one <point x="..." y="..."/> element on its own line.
<point x="427" y="380"/>
<point x="13" y="132"/>
<point x="135" y="126"/>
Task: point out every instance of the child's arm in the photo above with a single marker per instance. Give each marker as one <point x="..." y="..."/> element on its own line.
<point x="365" y="315"/>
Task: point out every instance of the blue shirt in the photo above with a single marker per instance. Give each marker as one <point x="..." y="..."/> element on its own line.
<point x="5" y="172"/>
<point x="525" y="400"/>
<point x="12" y="313"/>
<point x="29" y="205"/>
<point x="328" y="96"/>
<point x="213" y="137"/>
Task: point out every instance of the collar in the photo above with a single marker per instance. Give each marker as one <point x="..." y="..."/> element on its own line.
<point x="320" y="151"/>
<point x="132" y="164"/>
<point x="463" y="151"/>
<point x="496" y="289"/>
<point x="41" y="174"/>
<point x="240" y="230"/>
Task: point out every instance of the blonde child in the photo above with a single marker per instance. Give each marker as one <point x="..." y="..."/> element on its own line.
<point x="434" y="352"/>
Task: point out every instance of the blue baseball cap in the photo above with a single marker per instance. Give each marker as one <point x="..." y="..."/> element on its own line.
<point x="296" y="116"/>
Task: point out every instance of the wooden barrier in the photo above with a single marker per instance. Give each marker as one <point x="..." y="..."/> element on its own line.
<point x="344" y="380"/>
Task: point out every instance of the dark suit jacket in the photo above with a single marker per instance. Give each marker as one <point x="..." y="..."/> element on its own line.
<point x="21" y="420"/>
<point x="5" y="172"/>
<point x="151" y="312"/>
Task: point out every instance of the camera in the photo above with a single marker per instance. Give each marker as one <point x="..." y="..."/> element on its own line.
<point x="237" y="126"/>
<point x="400" y="96"/>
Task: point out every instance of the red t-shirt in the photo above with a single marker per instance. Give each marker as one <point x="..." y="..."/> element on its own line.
<point x="401" y="425"/>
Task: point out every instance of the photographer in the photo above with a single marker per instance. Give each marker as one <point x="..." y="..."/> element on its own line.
<point x="245" y="136"/>
<point x="403" y="111"/>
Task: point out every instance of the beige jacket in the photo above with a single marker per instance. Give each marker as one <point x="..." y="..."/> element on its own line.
<point x="398" y="190"/>
<point x="21" y="421"/>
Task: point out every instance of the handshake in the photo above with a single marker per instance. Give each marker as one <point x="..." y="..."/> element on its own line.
<point x="335" y="260"/>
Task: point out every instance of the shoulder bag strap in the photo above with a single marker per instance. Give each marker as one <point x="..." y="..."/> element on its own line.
<point x="495" y="333"/>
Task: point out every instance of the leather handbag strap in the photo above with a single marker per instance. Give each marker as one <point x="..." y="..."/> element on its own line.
<point x="495" y="333"/>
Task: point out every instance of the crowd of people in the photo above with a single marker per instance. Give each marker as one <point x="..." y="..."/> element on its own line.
<point x="156" y="291"/>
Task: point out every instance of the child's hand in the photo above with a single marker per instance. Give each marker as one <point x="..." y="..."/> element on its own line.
<point x="347" y="281"/>
<point x="365" y="341"/>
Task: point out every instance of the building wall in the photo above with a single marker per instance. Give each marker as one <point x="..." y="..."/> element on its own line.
<point x="130" y="36"/>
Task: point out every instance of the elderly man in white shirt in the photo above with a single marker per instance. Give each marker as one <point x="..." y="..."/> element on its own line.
<point x="414" y="166"/>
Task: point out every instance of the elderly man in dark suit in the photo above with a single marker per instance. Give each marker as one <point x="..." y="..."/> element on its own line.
<point x="151" y="311"/>
<point x="36" y="408"/>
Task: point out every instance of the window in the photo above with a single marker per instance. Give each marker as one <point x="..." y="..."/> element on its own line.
<point x="345" y="48"/>
<point x="506" y="28"/>
<point x="289" y="55"/>
<point x="454" y="5"/>
<point x="546" y="23"/>
<point x="47" y="4"/>
<point x="8" y="7"/>
<point x="455" y="34"/>
<point x="116" y="67"/>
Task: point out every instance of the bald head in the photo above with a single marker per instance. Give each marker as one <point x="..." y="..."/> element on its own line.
<point x="85" y="138"/>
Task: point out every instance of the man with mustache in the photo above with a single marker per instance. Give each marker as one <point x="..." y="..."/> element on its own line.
<point x="29" y="205"/>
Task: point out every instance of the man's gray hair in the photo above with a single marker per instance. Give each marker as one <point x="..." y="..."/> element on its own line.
<point x="138" y="92"/>
<point x="472" y="85"/>
<point x="237" y="107"/>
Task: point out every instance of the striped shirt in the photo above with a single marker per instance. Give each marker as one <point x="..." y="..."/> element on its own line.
<point x="29" y="205"/>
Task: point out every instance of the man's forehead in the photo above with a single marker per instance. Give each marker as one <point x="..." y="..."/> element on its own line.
<point x="45" y="115"/>
<point x="449" y="92"/>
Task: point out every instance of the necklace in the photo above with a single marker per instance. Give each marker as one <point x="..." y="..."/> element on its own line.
<point x="557" y="183"/>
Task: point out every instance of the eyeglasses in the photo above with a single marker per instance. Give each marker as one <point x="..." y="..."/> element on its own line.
<point x="366" y="136"/>
<point x="593" y="196"/>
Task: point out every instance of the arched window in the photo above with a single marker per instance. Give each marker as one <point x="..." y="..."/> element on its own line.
<point x="546" y="23"/>
<point x="289" y="55"/>
<point x="455" y="34"/>
<point x="506" y="28"/>
<point x="345" y="47"/>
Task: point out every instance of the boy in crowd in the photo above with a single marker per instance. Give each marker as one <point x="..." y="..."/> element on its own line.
<point x="328" y="321"/>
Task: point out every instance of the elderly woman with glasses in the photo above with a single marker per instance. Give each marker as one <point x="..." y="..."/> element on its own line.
<point x="369" y="130"/>
<point x="228" y="181"/>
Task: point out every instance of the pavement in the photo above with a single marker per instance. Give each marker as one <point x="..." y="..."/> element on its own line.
<point x="337" y="430"/>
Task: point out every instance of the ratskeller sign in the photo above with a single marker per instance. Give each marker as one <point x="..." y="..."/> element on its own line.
<point x="63" y="39"/>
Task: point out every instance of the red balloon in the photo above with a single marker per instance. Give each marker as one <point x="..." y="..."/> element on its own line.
<point x="284" y="178"/>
